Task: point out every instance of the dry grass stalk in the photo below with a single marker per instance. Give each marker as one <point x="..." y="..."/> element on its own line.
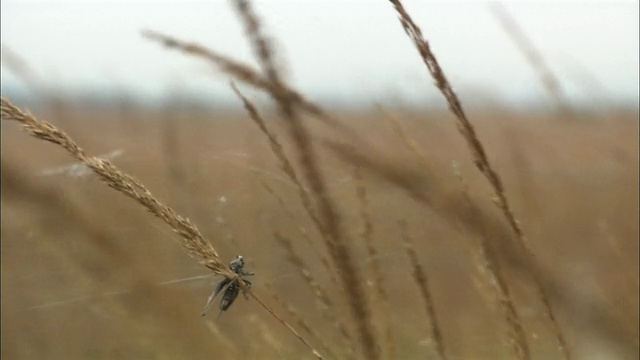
<point x="246" y="74"/>
<point x="328" y="307"/>
<point x="307" y="275"/>
<point x="192" y="239"/>
<point x="409" y="143"/>
<point x="430" y="191"/>
<point x="300" y="321"/>
<point x="228" y="230"/>
<point x="335" y="238"/>
<point x="176" y="164"/>
<point x="24" y="71"/>
<point x="526" y="179"/>
<point x="223" y="339"/>
<point x="287" y="167"/>
<point x="21" y="67"/>
<point x="464" y="126"/>
<point x="628" y="272"/>
<point x="278" y="150"/>
<point x="240" y="71"/>
<point x="489" y="269"/>
<point x="533" y="56"/>
<point x="413" y="182"/>
<point x="448" y="204"/>
<point x="261" y="46"/>
<point x="488" y="266"/>
<point x="433" y="192"/>
<point x="45" y="204"/>
<point x="171" y="149"/>
<point x="281" y="320"/>
<point x="420" y="277"/>
<point x="303" y="232"/>
<point x="480" y="159"/>
<point x="19" y="187"/>
<point x="586" y="79"/>
<point x="265" y="334"/>
<point x="372" y="252"/>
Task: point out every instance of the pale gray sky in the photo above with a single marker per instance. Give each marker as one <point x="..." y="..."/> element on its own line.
<point x="353" y="49"/>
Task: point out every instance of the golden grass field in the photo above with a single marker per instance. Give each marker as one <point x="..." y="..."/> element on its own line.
<point x="69" y="242"/>
<point x="380" y="233"/>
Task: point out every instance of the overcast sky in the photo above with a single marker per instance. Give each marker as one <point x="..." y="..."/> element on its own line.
<point x="341" y="49"/>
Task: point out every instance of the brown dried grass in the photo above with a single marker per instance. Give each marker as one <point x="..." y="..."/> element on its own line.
<point x="195" y="244"/>
<point x="425" y="185"/>
<point x="192" y="240"/>
<point x="481" y="161"/>
<point x="487" y="263"/>
<point x="536" y="59"/>
<point x="334" y="237"/>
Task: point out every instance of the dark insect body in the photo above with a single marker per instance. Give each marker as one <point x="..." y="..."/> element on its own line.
<point x="229" y="288"/>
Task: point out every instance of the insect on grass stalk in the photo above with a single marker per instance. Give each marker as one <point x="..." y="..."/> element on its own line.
<point x="192" y="240"/>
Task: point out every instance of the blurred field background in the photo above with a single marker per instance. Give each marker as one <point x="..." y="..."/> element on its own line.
<point x="89" y="274"/>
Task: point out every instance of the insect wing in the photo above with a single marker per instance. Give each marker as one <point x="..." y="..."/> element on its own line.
<point x="218" y="289"/>
<point x="229" y="297"/>
<point x="220" y="285"/>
